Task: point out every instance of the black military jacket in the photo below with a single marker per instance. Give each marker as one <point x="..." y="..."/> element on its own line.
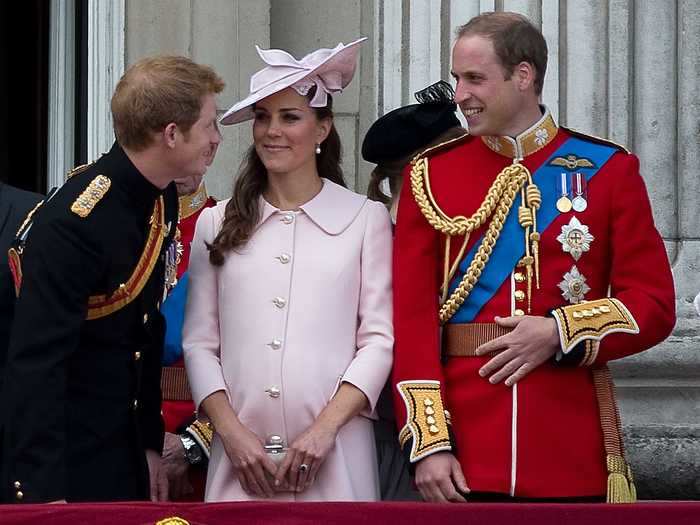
<point x="83" y="396"/>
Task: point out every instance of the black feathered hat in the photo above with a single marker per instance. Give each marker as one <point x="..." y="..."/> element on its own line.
<point x="404" y="130"/>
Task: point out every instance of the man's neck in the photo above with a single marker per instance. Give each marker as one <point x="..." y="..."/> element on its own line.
<point x="151" y="166"/>
<point x="525" y="119"/>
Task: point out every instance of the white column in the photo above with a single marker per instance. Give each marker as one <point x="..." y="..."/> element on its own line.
<point x="550" y="31"/>
<point x="390" y="51"/>
<point x="105" y="67"/>
<point x="656" y="108"/>
<point x="61" y="91"/>
<point x="423" y="43"/>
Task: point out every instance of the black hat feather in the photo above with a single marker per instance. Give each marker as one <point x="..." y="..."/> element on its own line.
<point x="406" y="129"/>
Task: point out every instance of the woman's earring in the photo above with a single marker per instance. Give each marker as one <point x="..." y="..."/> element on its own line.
<point x="318" y="149"/>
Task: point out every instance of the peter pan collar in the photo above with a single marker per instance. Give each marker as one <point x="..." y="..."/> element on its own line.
<point x="528" y="142"/>
<point x="333" y="209"/>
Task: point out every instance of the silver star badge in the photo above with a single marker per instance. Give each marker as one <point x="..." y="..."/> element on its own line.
<point x="573" y="287"/>
<point x="575" y="238"/>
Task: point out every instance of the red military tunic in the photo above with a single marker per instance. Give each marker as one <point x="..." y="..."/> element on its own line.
<point x="178" y="412"/>
<point x="542" y="437"/>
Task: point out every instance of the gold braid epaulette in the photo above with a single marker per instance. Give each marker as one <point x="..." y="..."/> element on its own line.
<point x="497" y="204"/>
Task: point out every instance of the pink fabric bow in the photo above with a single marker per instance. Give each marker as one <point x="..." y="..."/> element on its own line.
<point x="282" y="65"/>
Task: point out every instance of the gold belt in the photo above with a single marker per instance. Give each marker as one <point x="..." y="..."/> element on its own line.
<point x="174" y="384"/>
<point x="462" y="340"/>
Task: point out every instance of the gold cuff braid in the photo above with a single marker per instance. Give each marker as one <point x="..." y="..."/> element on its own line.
<point x="426" y="420"/>
<point x="592" y="320"/>
<point x="202" y="432"/>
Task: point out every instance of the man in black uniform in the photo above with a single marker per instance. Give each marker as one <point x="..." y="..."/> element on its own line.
<point x="82" y="384"/>
<point x="15" y="204"/>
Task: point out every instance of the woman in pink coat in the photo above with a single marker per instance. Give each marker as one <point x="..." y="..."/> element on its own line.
<point x="288" y="336"/>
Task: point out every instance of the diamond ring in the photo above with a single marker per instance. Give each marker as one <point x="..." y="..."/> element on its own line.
<point x="303" y="467"/>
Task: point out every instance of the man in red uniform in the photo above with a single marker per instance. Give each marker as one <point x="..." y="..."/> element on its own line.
<point x="187" y="439"/>
<point x="530" y="245"/>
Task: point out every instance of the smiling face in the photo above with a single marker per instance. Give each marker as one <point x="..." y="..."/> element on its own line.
<point x="189" y="184"/>
<point x="491" y="103"/>
<point x="285" y="132"/>
<point x="196" y="147"/>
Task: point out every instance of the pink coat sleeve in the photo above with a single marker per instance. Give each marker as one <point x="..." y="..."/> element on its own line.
<point x="370" y="368"/>
<point x="200" y="334"/>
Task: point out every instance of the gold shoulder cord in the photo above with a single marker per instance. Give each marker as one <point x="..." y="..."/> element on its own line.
<point x="498" y="202"/>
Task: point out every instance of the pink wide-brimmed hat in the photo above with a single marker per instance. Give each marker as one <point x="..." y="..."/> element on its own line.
<point x="330" y="70"/>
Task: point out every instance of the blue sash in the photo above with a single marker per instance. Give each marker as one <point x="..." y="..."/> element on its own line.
<point x="173" y="309"/>
<point x="510" y="246"/>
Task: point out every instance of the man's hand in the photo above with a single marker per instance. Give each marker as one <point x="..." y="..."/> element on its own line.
<point x="158" y="479"/>
<point x="439" y="476"/>
<point x="176" y="467"/>
<point x="532" y="342"/>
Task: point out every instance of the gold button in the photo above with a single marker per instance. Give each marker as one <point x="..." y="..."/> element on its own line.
<point x="518" y="312"/>
<point x="429" y="411"/>
<point x="434" y="429"/>
<point x="519" y="295"/>
<point x="20" y="494"/>
<point x="428" y="402"/>
<point x="587" y="313"/>
<point x="137" y="356"/>
<point x="519" y="277"/>
<point x="578" y="315"/>
<point x="605" y="309"/>
<point x="430" y="420"/>
<point x="18" y="485"/>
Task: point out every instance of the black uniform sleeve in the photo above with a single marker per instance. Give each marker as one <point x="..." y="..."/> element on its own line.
<point x="150" y="419"/>
<point x="62" y="262"/>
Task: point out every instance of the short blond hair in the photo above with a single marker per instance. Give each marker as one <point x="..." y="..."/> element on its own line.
<point x="156" y="91"/>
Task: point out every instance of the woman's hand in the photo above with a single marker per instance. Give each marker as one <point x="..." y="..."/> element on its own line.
<point x="244" y="449"/>
<point x="248" y="457"/>
<point x="306" y="455"/>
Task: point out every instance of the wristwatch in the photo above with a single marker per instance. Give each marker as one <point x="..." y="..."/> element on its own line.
<point x="193" y="452"/>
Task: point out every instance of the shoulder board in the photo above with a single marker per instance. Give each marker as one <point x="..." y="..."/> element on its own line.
<point x="78" y="169"/>
<point x="593" y="138"/>
<point x="87" y="200"/>
<point x="443" y="146"/>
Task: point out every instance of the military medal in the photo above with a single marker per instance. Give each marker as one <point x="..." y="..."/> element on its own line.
<point x="575" y="238"/>
<point x="563" y="202"/>
<point x="170" y="268"/>
<point x="579" y="203"/>
<point x="573" y="287"/>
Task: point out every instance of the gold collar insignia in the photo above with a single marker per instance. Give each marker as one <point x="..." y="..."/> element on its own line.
<point x="528" y="142"/>
<point x="192" y="203"/>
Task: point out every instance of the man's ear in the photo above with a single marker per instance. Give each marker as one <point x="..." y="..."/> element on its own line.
<point x="169" y="134"/>
<point x="524" y="75"/>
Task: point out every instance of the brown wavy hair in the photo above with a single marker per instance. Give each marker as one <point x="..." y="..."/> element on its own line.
<point x="243" y="210"/>
<point x="393" y="169"/>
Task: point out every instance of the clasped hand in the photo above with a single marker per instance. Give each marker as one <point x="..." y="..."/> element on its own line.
<point x="532" y="341"/>
<point x="260" y="476"/>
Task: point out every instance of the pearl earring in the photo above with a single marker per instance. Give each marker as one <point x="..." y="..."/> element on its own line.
<point x="318" y="149"/>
